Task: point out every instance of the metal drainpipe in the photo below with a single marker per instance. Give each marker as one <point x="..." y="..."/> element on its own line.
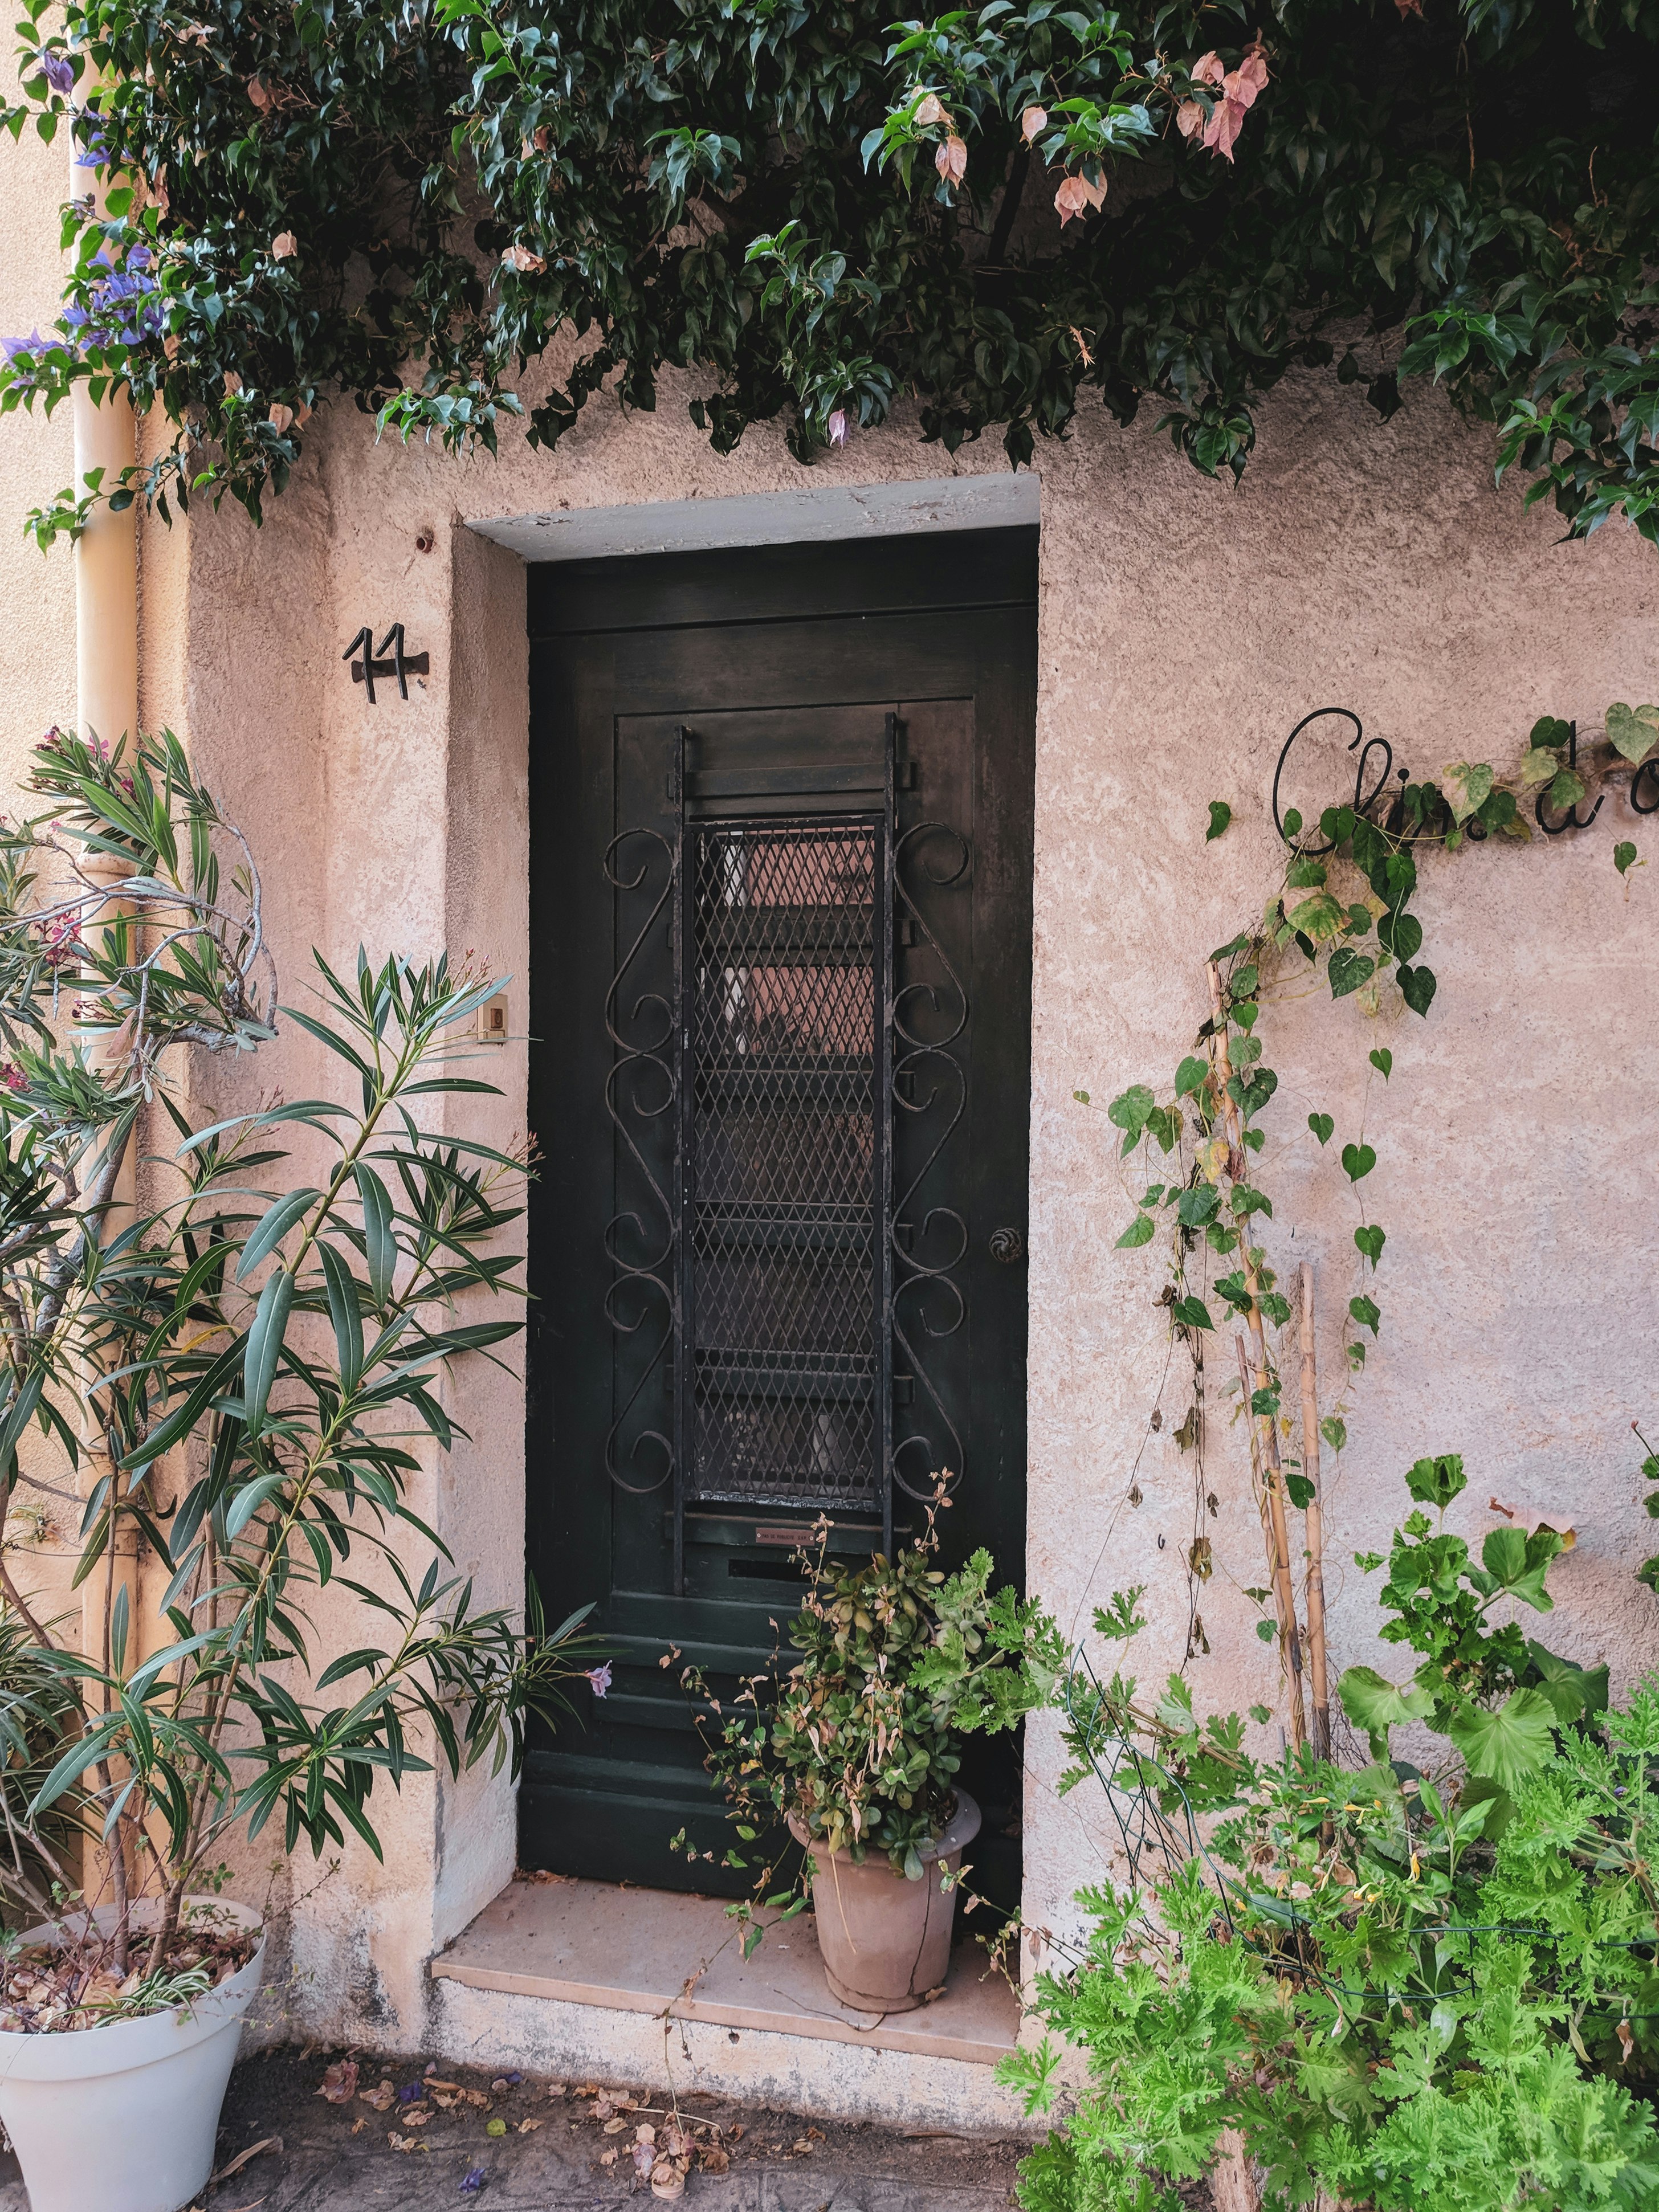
<point x="107" y="703"/>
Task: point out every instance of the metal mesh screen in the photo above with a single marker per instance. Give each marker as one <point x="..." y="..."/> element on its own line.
<point x="784" y="1179"/>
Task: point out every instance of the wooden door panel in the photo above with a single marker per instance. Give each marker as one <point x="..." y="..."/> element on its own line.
<point x="786" y="722"/>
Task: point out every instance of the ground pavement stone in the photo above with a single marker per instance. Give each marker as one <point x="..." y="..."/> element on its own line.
<point x="328" y="2163"/>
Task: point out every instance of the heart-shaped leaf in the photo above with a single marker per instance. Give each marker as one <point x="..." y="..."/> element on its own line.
<point x="1322" y="1125"/>
<point x="1349" y="970"/>
<point x="1466" y="786"/>
<point x="1220" y="815"/>
<point x="1318" y="917"/>
<point x="1632" y="731"/>
<point x="1416" y="988"/>
<point x="1358" y="1161"/>
<point x="1383" y="1061"/>
<point x="1193" y="1312"/>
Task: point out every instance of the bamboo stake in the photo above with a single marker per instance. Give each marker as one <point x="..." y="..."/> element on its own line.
<point x="1232" y="2178"/>
<point x="1272" y="1478"/>
<point x="1279" y="1564"/>
<point x="1313" y="1586"/>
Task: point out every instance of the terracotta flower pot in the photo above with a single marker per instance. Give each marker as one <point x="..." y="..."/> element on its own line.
<point x="886" y="1939"/>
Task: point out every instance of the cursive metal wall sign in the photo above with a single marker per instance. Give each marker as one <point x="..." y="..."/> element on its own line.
<point x="1363" y="800"/>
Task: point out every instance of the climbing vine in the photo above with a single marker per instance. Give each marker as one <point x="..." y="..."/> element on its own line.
<point x="1344" y="908"/>
<point x="1001" y="214"/>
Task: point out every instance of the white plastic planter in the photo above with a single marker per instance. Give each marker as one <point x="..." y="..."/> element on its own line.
<point x="125" y="2118"/>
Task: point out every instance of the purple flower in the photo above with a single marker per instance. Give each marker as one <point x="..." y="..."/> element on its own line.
<point x="600" y="1677"/>
<point x="513" y="2078"/>
<point x="408" y="2093"/>
<point x="473" y="2182"/>
<point x="59" y="71"/>
<point x="835" y="428"/>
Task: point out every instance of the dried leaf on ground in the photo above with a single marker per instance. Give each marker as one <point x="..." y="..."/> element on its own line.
<point x="339" y="2083"/>
<point x="236" y="2164"/>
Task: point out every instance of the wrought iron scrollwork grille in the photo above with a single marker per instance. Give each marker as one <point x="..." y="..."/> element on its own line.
<point x="784" y="1134"/>
<point x="764" y="1269"/>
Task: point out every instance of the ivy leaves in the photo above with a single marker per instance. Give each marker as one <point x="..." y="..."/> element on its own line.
<point x="813" y="212"/>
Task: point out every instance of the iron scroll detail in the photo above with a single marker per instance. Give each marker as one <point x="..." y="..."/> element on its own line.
<point x="642" y="1088"/>
<point x="929" y="1242"/>
<point x="788" y="1072"/>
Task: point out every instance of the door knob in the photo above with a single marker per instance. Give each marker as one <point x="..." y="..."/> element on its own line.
<point x="1007" y="1245"/>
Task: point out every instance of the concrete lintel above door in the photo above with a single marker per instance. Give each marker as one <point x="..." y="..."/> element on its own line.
<point x="819" y="512"/>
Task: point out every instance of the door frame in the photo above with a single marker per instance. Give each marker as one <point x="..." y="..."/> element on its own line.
<point x="610" y="624"/>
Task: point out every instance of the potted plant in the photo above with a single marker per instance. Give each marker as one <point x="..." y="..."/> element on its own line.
<point x="1363" y="1982"/>
<point x="855" y="1750"/>
<point x="235" y="1378"/>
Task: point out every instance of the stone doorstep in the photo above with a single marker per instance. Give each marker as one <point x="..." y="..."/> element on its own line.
<point x="653" y="1951"/>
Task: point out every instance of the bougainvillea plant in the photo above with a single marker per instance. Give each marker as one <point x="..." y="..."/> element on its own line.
<point x="1000" y="214"/>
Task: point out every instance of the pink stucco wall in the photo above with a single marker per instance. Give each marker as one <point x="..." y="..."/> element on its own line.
<point x="1184" y="627"/>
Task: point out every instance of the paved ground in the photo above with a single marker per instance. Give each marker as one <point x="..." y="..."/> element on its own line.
<point x="340" y="2158"/>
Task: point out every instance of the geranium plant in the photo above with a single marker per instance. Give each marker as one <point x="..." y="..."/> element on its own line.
<point x="1400" y="1986"/>
<point x="242" y="1371"/>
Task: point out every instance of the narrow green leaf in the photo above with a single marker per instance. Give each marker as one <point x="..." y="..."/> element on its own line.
<point x="346" y="1314"/>
<point x="379" y="1245"/>
<point x="280" y="1218"/>
<point x="264" y="1347"/>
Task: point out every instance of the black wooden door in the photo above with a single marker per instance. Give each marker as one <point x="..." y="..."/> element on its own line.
<point x="781" y="993"/>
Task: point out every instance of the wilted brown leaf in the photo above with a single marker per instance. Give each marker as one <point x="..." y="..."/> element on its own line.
<point x="952" y="160"/>
<point x="382" y="2099"/>
<point x="285" y="246"/>
<point x="1033" y="123"/>
<point x="339" y="2083"/>
<point x="931" y="110"/>
<point x="527" y="263"/>
<point x="713" y="2160"/>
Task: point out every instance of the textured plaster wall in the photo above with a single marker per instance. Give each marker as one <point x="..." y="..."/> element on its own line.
<point x="1184" y="628"/>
